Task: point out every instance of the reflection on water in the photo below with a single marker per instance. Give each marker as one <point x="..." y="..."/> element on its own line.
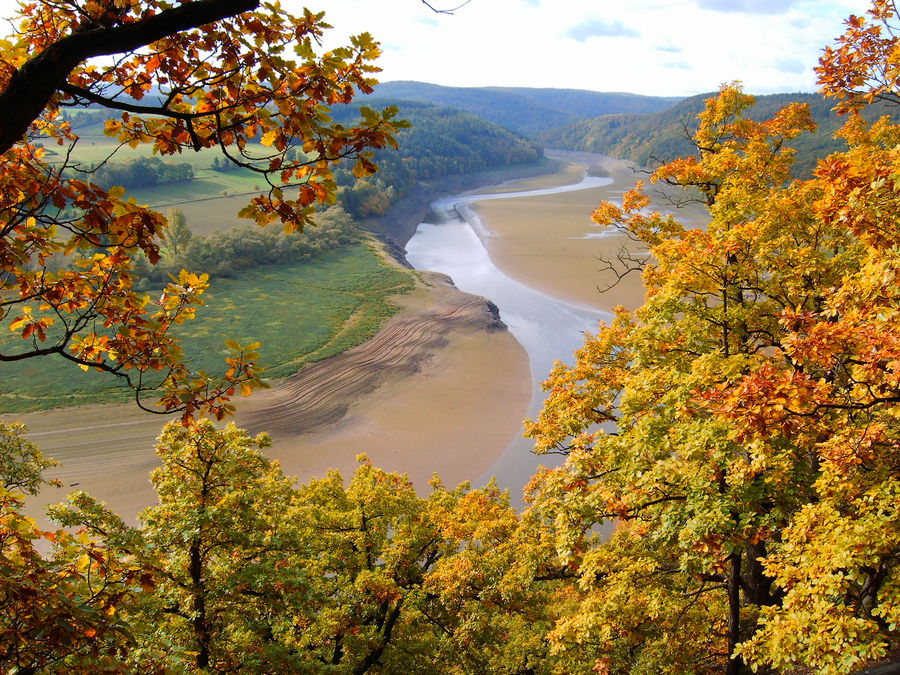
<point x="548" y="329"/>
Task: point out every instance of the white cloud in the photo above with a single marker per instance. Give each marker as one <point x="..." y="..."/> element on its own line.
<point x="748" y="6"/>
<point x="790" y="65"/>
<point x="591" y="28"/>
<point x="681" y="49"/>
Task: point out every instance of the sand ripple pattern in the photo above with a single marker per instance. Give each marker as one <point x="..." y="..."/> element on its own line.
<point x="320" y="393"/>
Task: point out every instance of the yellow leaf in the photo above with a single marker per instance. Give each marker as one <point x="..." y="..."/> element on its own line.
<point x="269" y="137"/>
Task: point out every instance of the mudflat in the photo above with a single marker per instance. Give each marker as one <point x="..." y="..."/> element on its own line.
<point x="441" y="388"/>
<point x="549" y="242"/>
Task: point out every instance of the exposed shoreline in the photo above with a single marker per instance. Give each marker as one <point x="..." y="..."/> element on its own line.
<point x="549" y="242"/>
<point x="399" y="224"/>
<point x="438" y="389"/>
<point x="444" y="352"/>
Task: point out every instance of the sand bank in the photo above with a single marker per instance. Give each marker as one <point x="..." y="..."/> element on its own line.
<point x="441" y="388"/>
<point x="549" y="243"/>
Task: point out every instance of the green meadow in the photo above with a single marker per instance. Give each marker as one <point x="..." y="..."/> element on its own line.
<point x="210" y="201"/>
<point x="300" y="312"/>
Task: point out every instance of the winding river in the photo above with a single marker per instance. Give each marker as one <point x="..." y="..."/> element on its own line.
<point x="548" y="328"/>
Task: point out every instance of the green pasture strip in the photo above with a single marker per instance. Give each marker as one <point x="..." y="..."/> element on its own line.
<point x="299" y="311"/>
<point x="210" y="200"/>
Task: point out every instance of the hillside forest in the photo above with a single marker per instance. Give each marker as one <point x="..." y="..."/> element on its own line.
<point x="729" y="495"/>
<point x="661" y="136"/>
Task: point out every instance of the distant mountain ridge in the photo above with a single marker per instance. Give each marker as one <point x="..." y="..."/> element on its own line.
<point x="661" y="136"/>
<point x="527" y="111"/>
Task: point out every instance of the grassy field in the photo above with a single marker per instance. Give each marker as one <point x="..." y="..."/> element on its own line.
<point x="210" y="201"/>
<point x="301" y="312"/>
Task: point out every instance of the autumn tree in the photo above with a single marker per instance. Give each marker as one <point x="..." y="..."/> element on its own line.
<point x="838" y="559"/>
<point x="178" y="235"/>
<point x="241" y="571"/>
<point x="739" y="429"/>
<point x="218" y="74"/>
<point x="58" y="606"/>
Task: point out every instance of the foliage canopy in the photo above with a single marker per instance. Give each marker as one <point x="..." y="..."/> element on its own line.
<point x="739" y="431"/>
<point x="752" y="473"/>
<point x="206" y="74"/>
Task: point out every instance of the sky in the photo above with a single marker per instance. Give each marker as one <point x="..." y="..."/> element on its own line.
<point x="654" y="47"/>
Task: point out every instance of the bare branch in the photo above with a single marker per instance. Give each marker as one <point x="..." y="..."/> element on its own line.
<point x="624" y="264"/>
<point x="445" y="11"/>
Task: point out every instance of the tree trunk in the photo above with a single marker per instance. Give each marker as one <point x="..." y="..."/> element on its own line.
<point x="735" y="663"/>
<point x="757" y="586"/>
<point x="199" y="622"/>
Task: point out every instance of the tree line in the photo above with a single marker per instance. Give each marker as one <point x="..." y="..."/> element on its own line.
<point x="225" y="253"/>
<point x="236" y="569"/>
<point x="654" y="138"/>
<point x="141" y="172"/>
<point x="440" y="142"/>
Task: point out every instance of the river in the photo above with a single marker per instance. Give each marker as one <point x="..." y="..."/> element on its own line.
<point x="548" y="328"/>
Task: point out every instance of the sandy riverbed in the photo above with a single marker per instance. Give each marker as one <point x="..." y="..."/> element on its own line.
<point x="438" y="390"/>
<point x="549" y="242"/>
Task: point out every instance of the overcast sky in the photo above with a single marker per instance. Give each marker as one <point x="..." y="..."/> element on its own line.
<point x="662" y="47"/>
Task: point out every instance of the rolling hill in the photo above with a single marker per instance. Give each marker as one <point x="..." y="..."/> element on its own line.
<point x="661" y="136"/>
<point x="441" y="142"/>
<point x="524" y="110"/>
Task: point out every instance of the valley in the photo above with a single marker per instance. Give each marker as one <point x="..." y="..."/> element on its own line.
<point x="440" y="388"/>
<point x="309" y="366"/>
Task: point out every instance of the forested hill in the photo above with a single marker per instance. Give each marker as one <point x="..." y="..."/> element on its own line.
<point x="662" y="135"/>
<point x="441" y="142"/>
<point x="525" y="110"/>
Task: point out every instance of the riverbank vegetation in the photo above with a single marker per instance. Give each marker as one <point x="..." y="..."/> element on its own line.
<point x="440" y="142"/>
<point x="227" y="253"/>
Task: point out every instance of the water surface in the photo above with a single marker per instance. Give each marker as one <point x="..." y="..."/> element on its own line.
<point x="548" y="328"/>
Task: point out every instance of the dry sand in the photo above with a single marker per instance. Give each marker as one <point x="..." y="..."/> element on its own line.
<point x="440" y="388"/>
<point x="549" y="243"/>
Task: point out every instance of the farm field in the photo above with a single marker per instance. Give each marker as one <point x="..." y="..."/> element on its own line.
<point x="210" y="201"/>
